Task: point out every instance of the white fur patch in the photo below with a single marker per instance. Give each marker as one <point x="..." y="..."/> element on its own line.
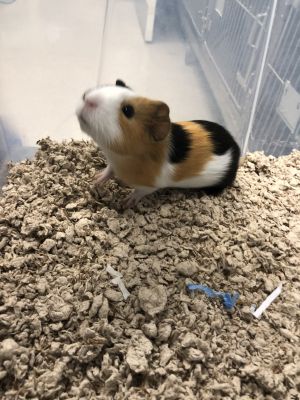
<point x="211" y="175"/>
<point x="101" y="122"/>
<point x="165" y="177"/>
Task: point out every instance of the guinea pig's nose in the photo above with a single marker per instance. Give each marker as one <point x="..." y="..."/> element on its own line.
<point x="90" y="102"/>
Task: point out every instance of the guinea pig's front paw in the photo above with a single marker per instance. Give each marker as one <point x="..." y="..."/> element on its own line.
<point x="136" y="196"/>
<point x="130" y="201"/>
<point x="103" y="176"/>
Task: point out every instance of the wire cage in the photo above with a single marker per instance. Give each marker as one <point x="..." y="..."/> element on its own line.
<point x="250" y="54"/>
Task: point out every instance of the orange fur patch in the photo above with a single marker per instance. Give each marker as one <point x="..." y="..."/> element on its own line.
<point x="200" y="153"/>
<point x="135" y="170"/>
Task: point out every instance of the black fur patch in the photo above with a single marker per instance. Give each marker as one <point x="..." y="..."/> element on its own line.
<point x="221" y="138"/>
<point x="222" y="141"/>
<point x="180" y="144"/>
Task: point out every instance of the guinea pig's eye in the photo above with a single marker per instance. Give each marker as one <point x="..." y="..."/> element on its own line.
<point x="128" y="111"/>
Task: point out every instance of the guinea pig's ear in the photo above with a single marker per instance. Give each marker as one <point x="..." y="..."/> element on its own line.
<point x="120" y="83"/>
<point x="160" y="121"/>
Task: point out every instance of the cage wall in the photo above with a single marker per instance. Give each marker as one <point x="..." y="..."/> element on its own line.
<point x="250" y="54"/>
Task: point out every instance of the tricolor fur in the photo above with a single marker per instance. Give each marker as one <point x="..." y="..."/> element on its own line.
<point x="145" y="150"/>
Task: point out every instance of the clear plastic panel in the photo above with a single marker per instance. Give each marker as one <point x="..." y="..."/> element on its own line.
<point x="145" y="46"/>
<point x="50" y="53"/>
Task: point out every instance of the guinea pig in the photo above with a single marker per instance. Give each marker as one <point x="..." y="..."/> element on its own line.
<point x="146" y="151"/>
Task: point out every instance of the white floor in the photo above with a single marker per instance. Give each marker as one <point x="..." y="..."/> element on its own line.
<point x="50" y="52"/>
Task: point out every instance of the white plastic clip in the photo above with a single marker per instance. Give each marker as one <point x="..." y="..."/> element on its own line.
<point x="265" y="304"/>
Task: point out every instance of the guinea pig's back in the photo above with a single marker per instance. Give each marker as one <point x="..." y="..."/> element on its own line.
<point x="202" y="154"/>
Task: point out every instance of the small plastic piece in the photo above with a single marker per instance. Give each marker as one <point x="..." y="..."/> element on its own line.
<point x="117" y="280"/>
<point x="229" y="300"/>
<point x="265" y="304"/>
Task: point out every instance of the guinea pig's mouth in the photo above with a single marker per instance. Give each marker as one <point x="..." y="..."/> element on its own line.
<point x="82" y="120"/>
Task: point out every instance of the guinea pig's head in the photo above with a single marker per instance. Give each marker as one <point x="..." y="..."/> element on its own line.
<point x="121" y="121"/>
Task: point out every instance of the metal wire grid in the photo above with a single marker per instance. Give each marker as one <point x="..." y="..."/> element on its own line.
<point x="233" y="34"/>
<point x="270" y="132"/>
<point x="234" y="44"/>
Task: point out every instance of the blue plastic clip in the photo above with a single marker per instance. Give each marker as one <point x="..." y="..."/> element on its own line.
<point x="229" y="300"/>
